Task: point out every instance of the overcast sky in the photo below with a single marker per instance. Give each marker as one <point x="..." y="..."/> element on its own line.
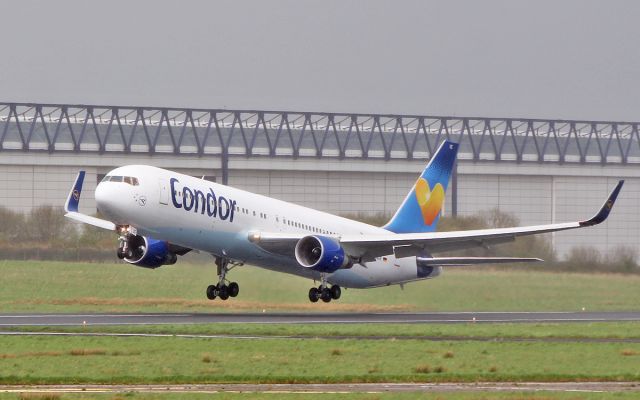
<point x="554" y="59"/>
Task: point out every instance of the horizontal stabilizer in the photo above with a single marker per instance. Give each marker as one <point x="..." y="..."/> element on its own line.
<point x="466" y="261"/>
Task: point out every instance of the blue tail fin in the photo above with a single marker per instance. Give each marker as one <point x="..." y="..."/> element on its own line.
<point x="420" y="210"/>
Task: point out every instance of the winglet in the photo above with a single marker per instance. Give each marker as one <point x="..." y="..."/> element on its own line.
<point x="74" y="195"/>
<point x="606" y="207"/>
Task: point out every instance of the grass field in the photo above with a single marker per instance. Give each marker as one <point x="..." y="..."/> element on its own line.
<point x="73" y="287"/>
<point x="50" y="360"/>
<point x="56" y="286"/>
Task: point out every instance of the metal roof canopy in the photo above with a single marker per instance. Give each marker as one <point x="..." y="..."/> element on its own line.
<point x="224" y="133"/>
<point x="30" y="127"/>
<point x="55" y="127"/>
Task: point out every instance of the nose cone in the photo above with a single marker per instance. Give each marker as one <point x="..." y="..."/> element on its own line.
<point x="103" y="202"/>
<point x="110" y="201"/>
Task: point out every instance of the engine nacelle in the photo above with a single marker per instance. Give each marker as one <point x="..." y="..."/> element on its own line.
<point x="321" y="253"/>
<point x="148" y="252"/>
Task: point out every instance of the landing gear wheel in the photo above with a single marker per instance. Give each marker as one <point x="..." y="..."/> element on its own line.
<point x="223" y="292"/>
<point x="224" y="289"/>
<point x="234" y="289"/>
<point x="314" y="295"/>
<point x="335" y="292"/>
<point x="120" y="254"/>
<point x="211" y="292"/>
<point x="325" y="295"/>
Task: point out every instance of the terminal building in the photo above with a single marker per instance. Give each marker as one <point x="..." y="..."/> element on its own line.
<point x="542" y="171"/>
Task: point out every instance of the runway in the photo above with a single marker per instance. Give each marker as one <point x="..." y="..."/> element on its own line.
<point x="583" y="387"/>
<point x="81" y="319"/>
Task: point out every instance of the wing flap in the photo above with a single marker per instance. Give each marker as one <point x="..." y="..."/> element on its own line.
<point x="467" y="261"/>
<point x="372" y="246"/>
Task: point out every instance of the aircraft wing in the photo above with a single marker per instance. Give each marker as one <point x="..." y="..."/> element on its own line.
<point x="369" y="247"/>
<point x="408" y="244"/>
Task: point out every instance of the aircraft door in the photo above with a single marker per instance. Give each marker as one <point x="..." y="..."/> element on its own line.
<point x="164" y="191"/>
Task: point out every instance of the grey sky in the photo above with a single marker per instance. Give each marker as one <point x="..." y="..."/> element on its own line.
<point x="555" y="59"/>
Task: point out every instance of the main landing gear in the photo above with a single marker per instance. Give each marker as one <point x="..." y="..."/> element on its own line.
<point x="223" y="289"/>
<point x="324" y="292"/>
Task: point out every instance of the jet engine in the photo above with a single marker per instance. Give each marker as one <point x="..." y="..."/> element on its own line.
<point x="145" y="252"/>
<point x="321" y="253"/>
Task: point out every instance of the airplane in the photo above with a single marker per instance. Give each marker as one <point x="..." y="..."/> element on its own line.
<point x="160" y="215"/>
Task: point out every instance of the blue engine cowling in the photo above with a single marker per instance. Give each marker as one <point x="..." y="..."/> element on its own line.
<point x="148" y="252"/>
<point x="321" y="253"/>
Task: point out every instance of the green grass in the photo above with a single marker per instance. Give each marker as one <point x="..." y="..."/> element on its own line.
<point x="59" y="287"/>
<point x="332" y="396"/>
<point x="73" y="287"/>
<point x="29" y="360"/>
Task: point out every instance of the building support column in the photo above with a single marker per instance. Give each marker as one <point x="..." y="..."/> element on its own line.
<point x="454" y="190"/>
<point x="224" y="164"/>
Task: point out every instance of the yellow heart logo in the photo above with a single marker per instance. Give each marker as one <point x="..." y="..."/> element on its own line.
<point x="430" y="201"/>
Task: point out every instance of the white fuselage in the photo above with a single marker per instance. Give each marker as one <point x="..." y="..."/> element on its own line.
<point x="218" y="219"/>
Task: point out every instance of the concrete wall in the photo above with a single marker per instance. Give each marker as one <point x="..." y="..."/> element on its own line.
<point x="535" y="193"/>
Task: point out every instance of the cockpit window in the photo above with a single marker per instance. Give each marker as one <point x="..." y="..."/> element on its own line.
<point x="131" y="180"/>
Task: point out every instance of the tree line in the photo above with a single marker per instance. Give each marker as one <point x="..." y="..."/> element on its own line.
<point x="45" y="234"/>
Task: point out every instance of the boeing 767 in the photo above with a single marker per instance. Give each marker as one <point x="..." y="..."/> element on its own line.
<point x="160" y="215"/>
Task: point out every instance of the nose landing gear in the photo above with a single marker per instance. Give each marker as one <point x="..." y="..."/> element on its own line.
<point x="223" y="289"/>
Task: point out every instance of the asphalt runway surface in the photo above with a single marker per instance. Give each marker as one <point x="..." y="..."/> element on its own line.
<point x="585" y="387"/>
<point x="7" y="320"/>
